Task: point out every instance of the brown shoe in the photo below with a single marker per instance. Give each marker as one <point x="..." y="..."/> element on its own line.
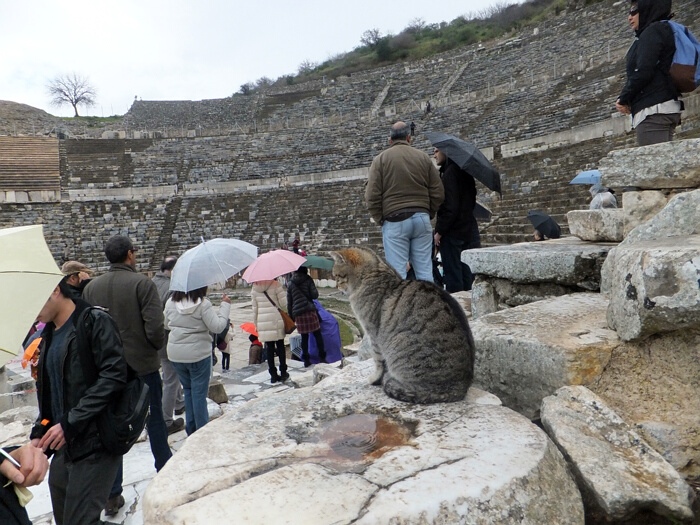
<point x="113" y="505"/>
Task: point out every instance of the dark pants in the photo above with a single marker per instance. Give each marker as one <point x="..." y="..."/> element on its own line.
<point x="657" y="128"/>
<point x="272" y="348"/>
<point x="319" y="344"/>
<point x="79" y="490"/>
<point x="225" y="361"/>
<point x="157" y="430"/>
<point x="457" y="275"/>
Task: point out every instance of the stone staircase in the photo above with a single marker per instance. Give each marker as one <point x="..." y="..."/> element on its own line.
<point x="29" y="164"/>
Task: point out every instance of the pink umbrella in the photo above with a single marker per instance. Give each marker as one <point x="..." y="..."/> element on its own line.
<point x="272" y="264"/>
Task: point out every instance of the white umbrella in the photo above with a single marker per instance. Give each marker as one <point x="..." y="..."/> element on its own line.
<point x="28" y="275"/>
<point x="213" y="261"/>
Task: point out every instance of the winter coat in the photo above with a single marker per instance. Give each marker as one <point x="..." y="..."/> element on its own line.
<point x="162" y="282"/>
<point x="402" y="177"/>
<point x="455" y="218"/>
<point x="190" y="325"/>
<point x="649" y="59"/>
<point x="267" y="319"/>
<point x="301" y="293"/>
<point x="132" y="301"/>
<point x="82" y="401"/>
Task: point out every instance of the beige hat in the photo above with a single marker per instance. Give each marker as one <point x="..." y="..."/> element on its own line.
<point x="72" y="267"/>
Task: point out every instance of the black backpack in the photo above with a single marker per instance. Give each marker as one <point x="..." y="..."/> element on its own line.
<point x="125" y="418"/>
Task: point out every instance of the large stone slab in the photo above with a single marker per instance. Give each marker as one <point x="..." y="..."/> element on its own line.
<point x="654" y="287"/>
<point x="297" y="458"/>
<point x="659" y="166"/>
<point x="620" y="475"/>
<point x="604" y="225"/>
<point x="568" y="261"/>
<point x="527" y="353"/>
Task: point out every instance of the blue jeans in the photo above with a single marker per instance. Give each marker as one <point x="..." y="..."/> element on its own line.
<point x="157" y="430"/>
<point x="195" y="383"/>
<point x="458" y="276"/>
<point x="410" y="240"/>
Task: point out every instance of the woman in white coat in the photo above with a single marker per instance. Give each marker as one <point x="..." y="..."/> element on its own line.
<point x="270" y="325"/>
<point x="191" y="317"/>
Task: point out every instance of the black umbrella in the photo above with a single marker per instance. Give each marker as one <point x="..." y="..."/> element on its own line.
<point x="544" y="224"/>
<point x="481" y="212"/>
<point x="468" y="157"/>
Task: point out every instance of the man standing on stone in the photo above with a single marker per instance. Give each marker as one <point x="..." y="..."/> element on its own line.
<point x="403" y="193"/>
<point x="132" y="301"/>
<point x="456" y="228"/>
<point x="173" y="398"/>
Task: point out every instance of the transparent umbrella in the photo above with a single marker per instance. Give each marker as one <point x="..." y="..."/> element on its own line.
<point x="28" y="275"/>
<point x="210" y="262"/>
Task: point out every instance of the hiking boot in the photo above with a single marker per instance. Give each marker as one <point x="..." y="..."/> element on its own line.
<point x="274" y="379"/>
<point x="113" y="505"/>
<point x="176" y="425"/>
<point x="284" y="377"/>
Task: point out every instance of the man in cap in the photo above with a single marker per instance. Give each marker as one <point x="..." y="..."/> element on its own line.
<point x="173" y="397"/>
<point x="133" y="302"/>
<point x="403" y="193"/>
<point x="82" y="470"/>
<point x="78" y="277"/>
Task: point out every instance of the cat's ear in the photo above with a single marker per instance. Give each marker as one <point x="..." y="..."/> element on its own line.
<point x="347" y="256"/>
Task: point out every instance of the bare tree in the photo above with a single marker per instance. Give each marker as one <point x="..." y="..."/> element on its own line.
<point x="71" y="89"/>
<point x="307" y="66"/>
<point x="371" y="38"/>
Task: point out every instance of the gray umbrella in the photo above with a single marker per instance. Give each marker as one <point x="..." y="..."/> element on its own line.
<point x="468" y="157"/>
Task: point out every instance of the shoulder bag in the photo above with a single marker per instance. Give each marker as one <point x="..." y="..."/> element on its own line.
<point x="289" y="325"/>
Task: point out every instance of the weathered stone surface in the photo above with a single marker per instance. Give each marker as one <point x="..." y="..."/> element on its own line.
<point x="640" y="206"/>
<point x="659" y="166"/>
<point x="655" y="384"/>
<point x="490" y="294"/>
<point x="604" y="225"/>
<point x="526" y="353"/>
<point x="465" y="462"/>
<point x="680" y="218"/>
<point x="655" y="287"/>
<point x="620" y="475"/>
<point x="568" y="261"/>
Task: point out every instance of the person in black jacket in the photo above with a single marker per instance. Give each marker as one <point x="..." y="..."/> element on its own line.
<point x="301" y="293"/>
<point x="649" y="94"/>
<point x="456" y="228"/>
<point x="82" y="471"/>
<point x="34" y="466"/>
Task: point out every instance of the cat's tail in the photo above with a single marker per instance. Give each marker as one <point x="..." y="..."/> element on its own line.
<point x="394" y="388"/>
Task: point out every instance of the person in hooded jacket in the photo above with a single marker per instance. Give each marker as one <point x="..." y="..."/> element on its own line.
<point x="267" y="296"/>
<point x="191" y="317"/>
<point x="301" y="293"/>
<point x="650" y="95"/>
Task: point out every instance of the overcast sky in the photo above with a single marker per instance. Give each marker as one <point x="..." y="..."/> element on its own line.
<point x="185" y="49"/>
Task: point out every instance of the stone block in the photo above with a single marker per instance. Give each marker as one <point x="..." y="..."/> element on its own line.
<point x="604" y="225"/>
<point x="568" y="261"/>
<point x="528" y="352"/>
<point x="217" y="392"/>
<point x="620" y="476"/>
<point x="640" y="206"/>
<point x="300" y="446"/>
<point x="654" y="287"/>
<point x="490" y="294"/>
<point x="659" y="166"/>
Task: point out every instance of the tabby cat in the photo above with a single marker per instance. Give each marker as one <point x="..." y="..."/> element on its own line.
<point x="421" y="342"/>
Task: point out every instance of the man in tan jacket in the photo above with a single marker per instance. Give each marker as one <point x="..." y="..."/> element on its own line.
<point x="403" y="193"/>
